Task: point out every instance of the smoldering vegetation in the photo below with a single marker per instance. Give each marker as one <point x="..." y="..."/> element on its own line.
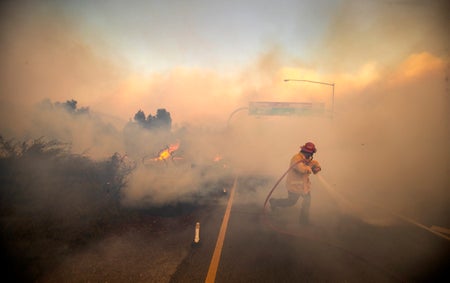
<point x="52" y="201"/>
<point x="76" y="183"/>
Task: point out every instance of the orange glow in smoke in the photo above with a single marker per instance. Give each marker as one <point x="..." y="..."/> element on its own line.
<point x="167" y="152"/>
<point x="217" y="158"/>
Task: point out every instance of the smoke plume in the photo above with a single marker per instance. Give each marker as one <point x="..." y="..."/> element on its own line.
<point x="383" y="137"/>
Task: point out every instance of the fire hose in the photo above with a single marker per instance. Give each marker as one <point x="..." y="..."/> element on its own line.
<point x="276" y="185"/>
<point x="265" y="218"/>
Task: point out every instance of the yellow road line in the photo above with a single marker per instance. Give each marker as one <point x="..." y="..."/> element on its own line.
<point x="212" y="271"/>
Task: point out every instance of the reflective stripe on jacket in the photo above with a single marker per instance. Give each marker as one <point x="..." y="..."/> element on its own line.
<point x="297" y="180"/>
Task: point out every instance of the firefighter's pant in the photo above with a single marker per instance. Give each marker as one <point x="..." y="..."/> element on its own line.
<point x="292" y="200"/>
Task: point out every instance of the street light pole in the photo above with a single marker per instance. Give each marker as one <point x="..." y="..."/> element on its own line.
<point x="316" y="82"/>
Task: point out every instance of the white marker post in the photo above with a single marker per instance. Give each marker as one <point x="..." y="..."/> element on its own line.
<point x="197" y="233"/>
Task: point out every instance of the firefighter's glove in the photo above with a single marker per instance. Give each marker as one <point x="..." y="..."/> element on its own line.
<point x="316" y="169"/>
<point x="308" y="170"/>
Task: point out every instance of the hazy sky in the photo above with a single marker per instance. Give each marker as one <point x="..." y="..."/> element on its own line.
<point x="215" y="56"/>
<point x="155" y="35"/>
<point x="161" y="35"/>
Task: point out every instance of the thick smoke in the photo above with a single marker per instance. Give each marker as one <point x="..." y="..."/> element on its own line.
<point x="382" y="141"/>
<point x="391" y="142"/>
<point x="386" y="140"/>
<point x="384" y="33"/>
<point x="391" y="126"/>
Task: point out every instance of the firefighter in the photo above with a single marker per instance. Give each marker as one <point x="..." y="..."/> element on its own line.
<point x="298" y="183"/>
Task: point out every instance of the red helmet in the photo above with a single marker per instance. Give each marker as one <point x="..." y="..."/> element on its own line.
<point x="309" y="147"/>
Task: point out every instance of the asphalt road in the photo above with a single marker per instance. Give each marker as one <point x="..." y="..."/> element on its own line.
<point x="337" y="247"/>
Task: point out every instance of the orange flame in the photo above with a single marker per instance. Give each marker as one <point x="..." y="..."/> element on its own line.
<point x="217" y="158"/>
<point x="167" y="152"/>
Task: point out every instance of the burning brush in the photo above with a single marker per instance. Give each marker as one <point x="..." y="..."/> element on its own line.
<point x="165" y="154"/>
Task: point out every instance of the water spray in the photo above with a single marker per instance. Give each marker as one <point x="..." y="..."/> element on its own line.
<point x="309" y="236"/>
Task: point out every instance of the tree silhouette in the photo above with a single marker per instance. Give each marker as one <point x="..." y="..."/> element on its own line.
<point x="140" y="117"/>
<point x="162" y="120"/>
<point x="70" y="106"/>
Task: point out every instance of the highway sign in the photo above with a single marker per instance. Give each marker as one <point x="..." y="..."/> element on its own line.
<point x="285" y="108"/>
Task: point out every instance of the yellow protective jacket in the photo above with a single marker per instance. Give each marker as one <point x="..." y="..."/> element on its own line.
<point x="297" y="180"/>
